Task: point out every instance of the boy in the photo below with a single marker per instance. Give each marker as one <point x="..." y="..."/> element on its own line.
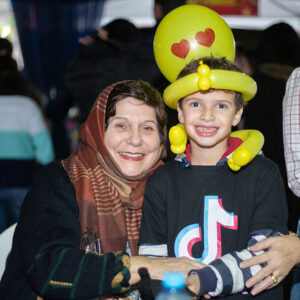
<point x="196" y="206"/>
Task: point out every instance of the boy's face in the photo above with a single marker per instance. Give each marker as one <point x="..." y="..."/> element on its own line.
<point x="208" y="117"/>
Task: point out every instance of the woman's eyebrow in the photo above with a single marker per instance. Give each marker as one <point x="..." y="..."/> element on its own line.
<point x="152" y="121"/>
<point x="118" y="118"/>
<point x="127" y="119"/>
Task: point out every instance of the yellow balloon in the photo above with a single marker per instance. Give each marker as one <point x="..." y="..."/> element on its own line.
<point x="216" y="79"/>
<point x="253" y="141"/>
<point x="178" y="138"/>
<point x="189" y="32"/>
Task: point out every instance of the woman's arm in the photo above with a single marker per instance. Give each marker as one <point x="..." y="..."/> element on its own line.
<point x="283" y="255"/>
<point x="158" y="266"/>
<point x="46" y="246"/>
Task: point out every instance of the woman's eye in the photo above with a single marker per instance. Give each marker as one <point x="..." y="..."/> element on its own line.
<point x="120" y="126"/>
<point x="148" y="128"/>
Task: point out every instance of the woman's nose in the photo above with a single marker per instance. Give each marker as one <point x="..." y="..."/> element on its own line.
<point x="135" y="137"/>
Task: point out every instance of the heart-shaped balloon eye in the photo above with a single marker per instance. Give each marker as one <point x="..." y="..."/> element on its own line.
<point x="181" y="49"/>
<point x="206" y="37"/>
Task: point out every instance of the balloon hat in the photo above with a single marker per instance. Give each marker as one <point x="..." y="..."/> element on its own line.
<point x="190" y="32"/>
<point x="205" y="79"/>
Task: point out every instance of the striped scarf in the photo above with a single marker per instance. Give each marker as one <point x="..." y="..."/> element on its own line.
<point x="109" y="202"/>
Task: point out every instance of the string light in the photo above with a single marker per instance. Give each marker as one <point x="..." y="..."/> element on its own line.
<point x="5" y="31"/>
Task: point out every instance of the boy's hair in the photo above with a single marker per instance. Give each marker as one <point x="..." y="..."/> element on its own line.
<point x="214" y="64"/>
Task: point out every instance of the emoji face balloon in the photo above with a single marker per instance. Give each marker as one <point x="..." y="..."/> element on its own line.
<point x="189" y="32"/>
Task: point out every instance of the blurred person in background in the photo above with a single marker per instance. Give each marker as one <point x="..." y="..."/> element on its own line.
<point x="284" y="252"/>
<point x="162" y="7"/>
<point x="277" y="56"/>
<point x="114" y="52"/>
<point x="25" y="142"/>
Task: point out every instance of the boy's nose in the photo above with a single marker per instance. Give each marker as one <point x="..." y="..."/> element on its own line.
<point x="207" y="115"/>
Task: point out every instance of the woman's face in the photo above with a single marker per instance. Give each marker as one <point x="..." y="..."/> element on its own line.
<point x="132" y="136"/>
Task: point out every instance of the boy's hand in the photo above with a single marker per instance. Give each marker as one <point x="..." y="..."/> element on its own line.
<point x="193" y="284"/>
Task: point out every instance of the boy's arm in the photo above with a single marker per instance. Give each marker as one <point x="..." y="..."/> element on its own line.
<point x="224" y="276"/>
<point x="153" y="236"/>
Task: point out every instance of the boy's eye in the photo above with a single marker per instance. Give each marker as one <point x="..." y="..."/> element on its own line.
<point x="221" y="105"/>
<point x="195" y="104"/>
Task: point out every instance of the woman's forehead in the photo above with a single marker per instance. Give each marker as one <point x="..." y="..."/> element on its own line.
<point x="135" y="108"/>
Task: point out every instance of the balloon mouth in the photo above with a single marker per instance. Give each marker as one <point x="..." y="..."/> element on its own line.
<point x="206" y="79"/>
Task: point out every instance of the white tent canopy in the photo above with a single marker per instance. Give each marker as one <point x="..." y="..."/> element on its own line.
<point x="140" y="12"/>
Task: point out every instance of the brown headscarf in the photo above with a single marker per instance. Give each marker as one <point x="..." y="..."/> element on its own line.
<point x="109" y="202"/>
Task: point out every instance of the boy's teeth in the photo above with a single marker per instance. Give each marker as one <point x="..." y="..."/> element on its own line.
<point x="206" y="129"/>
<point x="135" y="155"/>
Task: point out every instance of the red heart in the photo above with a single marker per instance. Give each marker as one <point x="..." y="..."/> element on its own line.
<point x="205" y="38"/>
<point x="181" y="49"/>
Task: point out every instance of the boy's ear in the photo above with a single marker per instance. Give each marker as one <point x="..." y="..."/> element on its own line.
<point x="180" y="113"/>
<point x="237" y="117"/>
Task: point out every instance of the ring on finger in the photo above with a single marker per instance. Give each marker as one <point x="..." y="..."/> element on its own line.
<point x="274" y="278"/>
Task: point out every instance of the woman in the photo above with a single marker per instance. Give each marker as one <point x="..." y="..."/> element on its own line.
<point x="90" y="204"/>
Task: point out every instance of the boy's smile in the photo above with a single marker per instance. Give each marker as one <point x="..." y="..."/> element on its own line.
<point x="206" y="131"/>
<point x="208" y="118"/>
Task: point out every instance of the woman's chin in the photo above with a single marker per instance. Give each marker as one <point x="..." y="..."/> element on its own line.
<point x="134" y="169"/>
<point x="132" y="173"/>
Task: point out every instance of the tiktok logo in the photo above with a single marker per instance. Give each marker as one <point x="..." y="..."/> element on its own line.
<point x="215" y="216"/>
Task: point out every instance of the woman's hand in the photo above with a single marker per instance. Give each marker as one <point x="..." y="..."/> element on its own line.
<point x="283" y="254"/>
<point x="157" y="267"/>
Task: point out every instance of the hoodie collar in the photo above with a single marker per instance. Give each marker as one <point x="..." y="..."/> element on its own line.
<point x="233" y="144"/>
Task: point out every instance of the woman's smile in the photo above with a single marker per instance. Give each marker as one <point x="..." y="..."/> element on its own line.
<point x="132" y="156"/>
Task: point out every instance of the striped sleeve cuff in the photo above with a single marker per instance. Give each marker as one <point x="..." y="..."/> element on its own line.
<point x="208" y="279"/>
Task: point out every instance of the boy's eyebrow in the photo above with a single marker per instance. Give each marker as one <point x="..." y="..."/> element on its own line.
<point x="214" y="100"/>
<point x="192" y="98"/>
<point x="224" y="100"/>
